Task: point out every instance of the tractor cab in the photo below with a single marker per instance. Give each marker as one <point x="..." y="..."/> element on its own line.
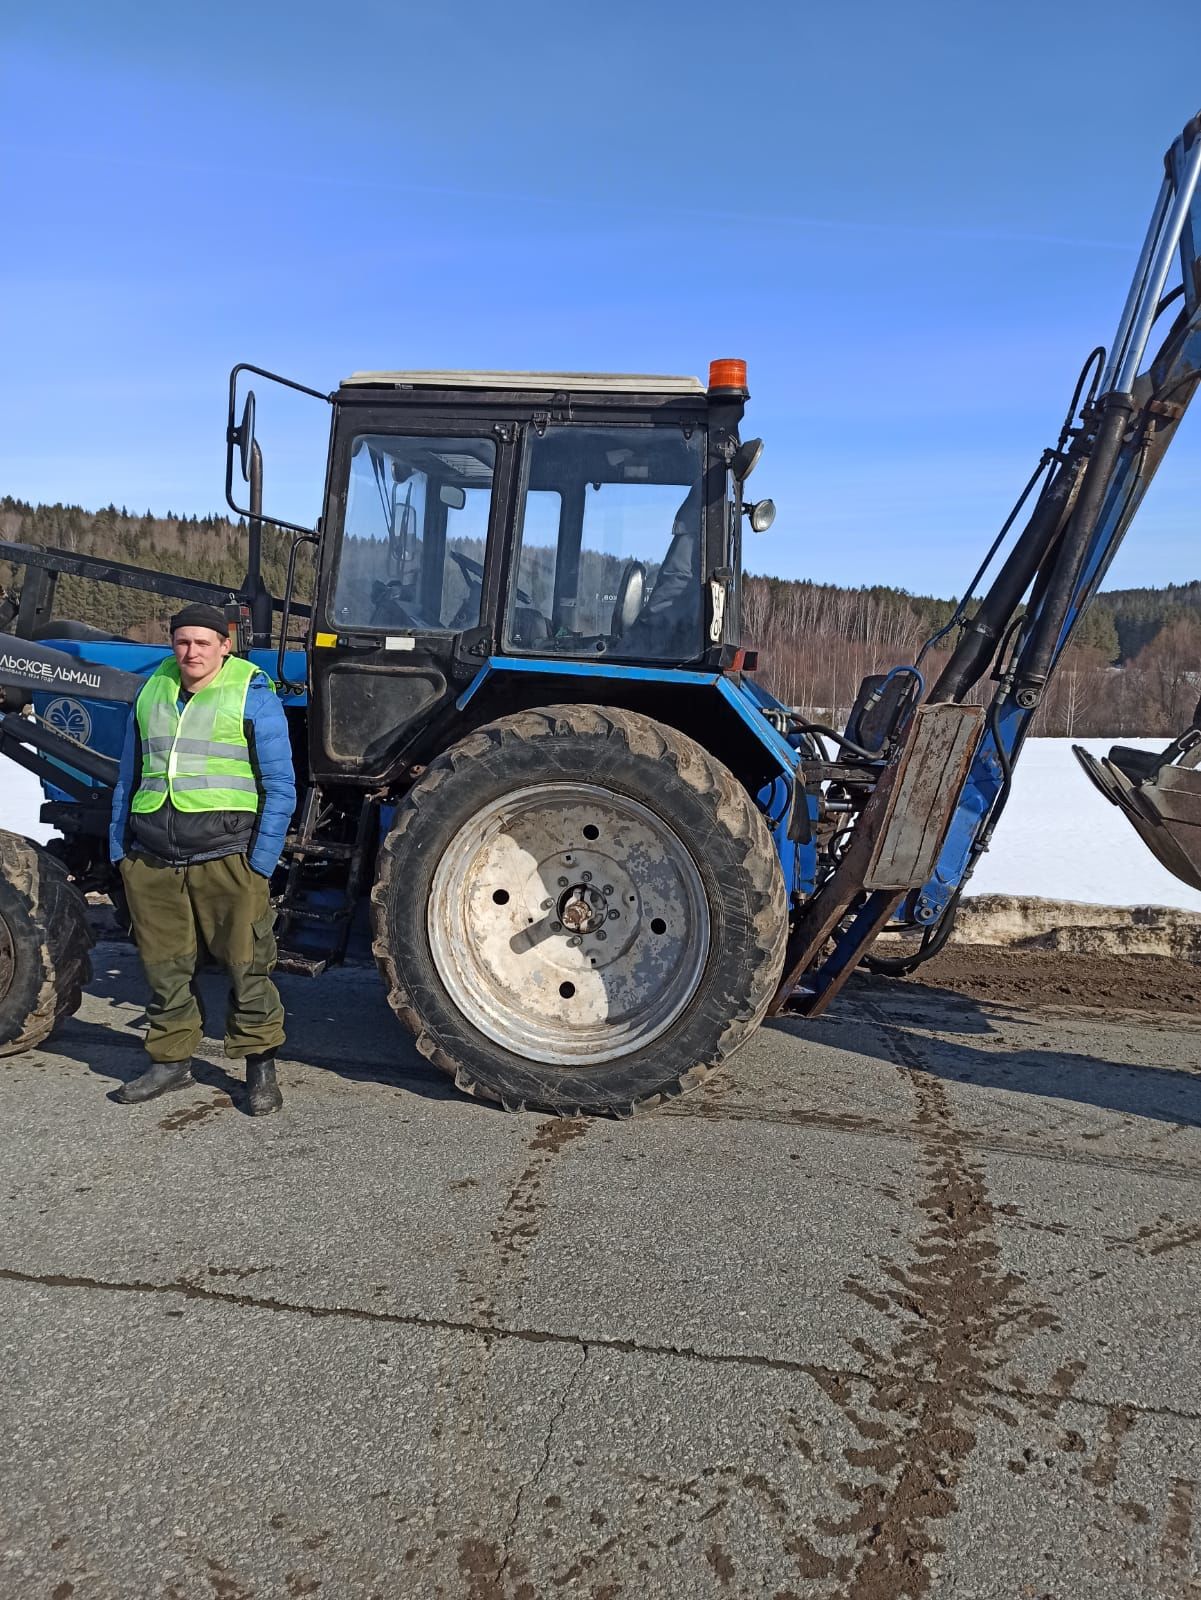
<point x="486" y="517"/>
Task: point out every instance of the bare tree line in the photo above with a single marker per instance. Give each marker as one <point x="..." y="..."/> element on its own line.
<point x="818" y="641"/>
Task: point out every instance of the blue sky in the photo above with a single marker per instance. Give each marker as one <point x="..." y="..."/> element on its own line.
<point x="913" y="221"/>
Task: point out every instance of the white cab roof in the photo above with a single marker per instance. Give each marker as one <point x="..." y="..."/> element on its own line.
<point x="552" y="382"/>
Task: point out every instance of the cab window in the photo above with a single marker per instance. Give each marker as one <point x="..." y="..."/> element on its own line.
<point x="412" y="556"/>
<point x="609" y="543"/>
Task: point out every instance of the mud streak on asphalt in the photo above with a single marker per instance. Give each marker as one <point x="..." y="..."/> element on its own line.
<point x="951" y="1304"/>
<point x="520" y="1220"/>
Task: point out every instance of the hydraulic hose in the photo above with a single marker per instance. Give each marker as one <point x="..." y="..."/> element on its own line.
<point x="974" y="653"/>
<point x="1035" y="665"/>
<point x="1082" y="395"/>
<point x="933" y="940"/>
<point x="839" y="739"/>
<point x="957" y="615"/>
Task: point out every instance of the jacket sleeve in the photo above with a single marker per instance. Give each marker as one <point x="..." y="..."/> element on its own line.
<point x="123" y="792"/>
<point x="272" y="755"/>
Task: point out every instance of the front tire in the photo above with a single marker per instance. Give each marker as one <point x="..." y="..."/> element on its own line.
<point x="578" y="910"/>
<point x="44" y="944"/>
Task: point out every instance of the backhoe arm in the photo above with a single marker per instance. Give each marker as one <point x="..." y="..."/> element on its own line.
<point x="1087" y="504"/>
<point x="931" y="814"/>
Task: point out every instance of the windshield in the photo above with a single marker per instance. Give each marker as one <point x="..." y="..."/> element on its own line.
<point x="412" y="552"/>
<point x="609" y="544"/>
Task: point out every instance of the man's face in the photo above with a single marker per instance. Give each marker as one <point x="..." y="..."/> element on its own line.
<point x="200" y="652"/>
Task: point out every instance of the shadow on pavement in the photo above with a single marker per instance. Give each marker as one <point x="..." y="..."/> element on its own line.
<point x="909" y="1023"/>
<point x="340" y="1024"/>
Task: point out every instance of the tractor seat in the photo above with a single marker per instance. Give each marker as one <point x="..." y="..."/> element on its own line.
<point x="1137" y="765"/>
<point x="528" y="626"/>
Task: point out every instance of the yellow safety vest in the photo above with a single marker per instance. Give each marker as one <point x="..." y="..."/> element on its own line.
<point x="199" y="756"/>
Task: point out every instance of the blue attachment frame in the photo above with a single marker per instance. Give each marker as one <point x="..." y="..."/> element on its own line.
<point x="748" y="701"/>
<point x="100" y="724"/>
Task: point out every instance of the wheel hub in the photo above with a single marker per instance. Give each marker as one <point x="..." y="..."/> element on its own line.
<point x="569" y="923"/>
<point x="582" y="909"/>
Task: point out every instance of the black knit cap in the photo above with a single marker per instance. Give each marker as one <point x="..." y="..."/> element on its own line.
<point x="201" y="616"/>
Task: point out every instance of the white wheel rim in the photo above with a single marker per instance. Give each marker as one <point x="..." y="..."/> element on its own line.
<point x="569" y="924"/>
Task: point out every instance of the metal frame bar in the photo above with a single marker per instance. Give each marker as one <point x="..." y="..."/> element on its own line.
<point x="230" y="430"/>
<point x="124" y="576"/>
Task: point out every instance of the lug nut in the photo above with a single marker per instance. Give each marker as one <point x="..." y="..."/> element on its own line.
<point x="546" y="904"/>
<point x="613" y="916"/>
<point x="601" y="934"/>
<point x="574" y="940"/>
<point x="608" y="889"/>
<point x="556" y="927"/>
<point x="562" y="883"/>
<point x="587" y="877"/>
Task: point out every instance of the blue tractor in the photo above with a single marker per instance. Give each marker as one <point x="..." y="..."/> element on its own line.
<point x="591" y="852"/>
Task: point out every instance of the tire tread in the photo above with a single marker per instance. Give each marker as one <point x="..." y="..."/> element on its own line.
<point x="641" y="736"/>
<point x="57" y="914"/>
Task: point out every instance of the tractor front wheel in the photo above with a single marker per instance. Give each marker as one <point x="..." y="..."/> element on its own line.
<point x="44" y="944"/>
<point x="578" y="910"/>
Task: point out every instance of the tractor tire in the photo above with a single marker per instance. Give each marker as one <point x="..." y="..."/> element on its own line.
<point x="44" y="944"/>
<point x="578" y="910"/>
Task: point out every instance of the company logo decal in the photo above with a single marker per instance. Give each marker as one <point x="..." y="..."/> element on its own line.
<point x="69" y="717"/>
<point x="47" y="672"/>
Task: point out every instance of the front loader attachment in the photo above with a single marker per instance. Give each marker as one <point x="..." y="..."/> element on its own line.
<point x="1160" y="795"/>
<point x="894" y="848"/>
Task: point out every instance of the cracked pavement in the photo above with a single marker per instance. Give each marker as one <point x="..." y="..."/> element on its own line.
<point x="903" y="1305"/>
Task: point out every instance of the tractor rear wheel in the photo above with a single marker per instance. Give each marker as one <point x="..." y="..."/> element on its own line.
<point x="578" y="910"/>
<point x="44" y="944"/>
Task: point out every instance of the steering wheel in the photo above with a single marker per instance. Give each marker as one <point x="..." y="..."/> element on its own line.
<point x="473" y="571"/>
<point x="473" y="576"/>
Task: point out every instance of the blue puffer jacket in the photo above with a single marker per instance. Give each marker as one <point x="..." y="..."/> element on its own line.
<point x="181" y="837"/>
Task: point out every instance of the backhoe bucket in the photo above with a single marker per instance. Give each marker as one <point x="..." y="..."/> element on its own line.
<point x="1161" y="797"/>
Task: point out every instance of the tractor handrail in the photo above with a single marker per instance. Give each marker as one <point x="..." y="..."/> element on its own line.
<point x="281" y="676"/>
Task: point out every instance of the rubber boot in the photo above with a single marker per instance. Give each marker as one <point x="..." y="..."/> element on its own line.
<point x="160" y="1078"/>
<point x="262" y="1091"/>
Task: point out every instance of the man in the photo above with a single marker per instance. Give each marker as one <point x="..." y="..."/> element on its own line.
<point x="201" y="806"/>
<point x="669" y="623"/>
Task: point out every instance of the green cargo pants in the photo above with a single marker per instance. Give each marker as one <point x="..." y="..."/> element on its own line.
<point x="225" y="906"/>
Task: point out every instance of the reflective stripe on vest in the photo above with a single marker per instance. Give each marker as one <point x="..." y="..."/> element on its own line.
<point x="200" y="756"/>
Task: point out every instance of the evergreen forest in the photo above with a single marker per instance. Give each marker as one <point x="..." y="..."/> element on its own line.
<point x="1134" y="667"/>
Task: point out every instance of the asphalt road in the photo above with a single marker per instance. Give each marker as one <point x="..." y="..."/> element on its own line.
<point x="906" y="1305"/>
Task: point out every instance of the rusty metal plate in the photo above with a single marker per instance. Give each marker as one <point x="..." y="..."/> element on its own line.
<point x="933" y="769"/>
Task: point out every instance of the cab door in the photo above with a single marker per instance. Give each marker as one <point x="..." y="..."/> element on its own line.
<point x="407" y="592"/>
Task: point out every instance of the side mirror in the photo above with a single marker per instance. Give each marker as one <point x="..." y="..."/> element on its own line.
<point x="762" y="514"/>
<point x="746" y="459"/>
<point x="452" y="495"/>
<point x="240" y="442"/>
<point x="243" y="435"/>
